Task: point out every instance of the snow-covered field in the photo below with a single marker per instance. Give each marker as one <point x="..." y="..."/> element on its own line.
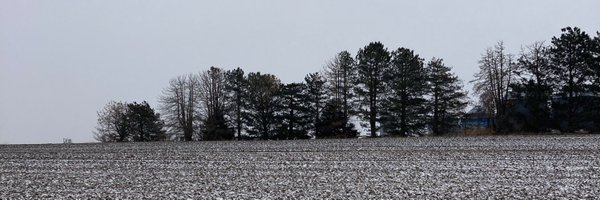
<point x="546" y="167"/>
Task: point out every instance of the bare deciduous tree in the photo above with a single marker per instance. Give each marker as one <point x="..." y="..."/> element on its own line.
<point x="180" y="106"/>
<point x="340" y="73"/>
<point x="533" y="86"/>
<point x="493" y="80"/>
<point x="211" y="91"/>
<point x="112" y="123"/>
<point x="212" y="95"/>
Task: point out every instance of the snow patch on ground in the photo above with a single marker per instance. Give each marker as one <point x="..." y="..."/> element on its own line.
<point x="514" y="167"/>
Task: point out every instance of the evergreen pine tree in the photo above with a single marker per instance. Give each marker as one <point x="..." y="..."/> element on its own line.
<point x="333" y="123"/>
<point x="596" y="83"/>
<point x="316" y="98"/>
<point x="260" y="115"/>
<point x="215" y="128"/>
<point x="405" y="104"/>
<point x="373" y="60"/>
<point x="236" y="93"/>
<point x="448" y="100"/>
<point x="294" y="112"/>
<point x="572" y="61"/>
<point x="145" y="124"/>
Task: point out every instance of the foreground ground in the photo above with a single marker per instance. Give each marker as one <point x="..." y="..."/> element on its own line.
<point x="431" y="167"/>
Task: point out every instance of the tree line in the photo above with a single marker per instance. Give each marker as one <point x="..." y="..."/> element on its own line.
<point x="128" y="122"/>
<point x="544" y="87"/>
<point x="389" y="92"/>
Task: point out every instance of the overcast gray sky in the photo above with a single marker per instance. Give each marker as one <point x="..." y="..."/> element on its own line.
<point x="61" y="61"/>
